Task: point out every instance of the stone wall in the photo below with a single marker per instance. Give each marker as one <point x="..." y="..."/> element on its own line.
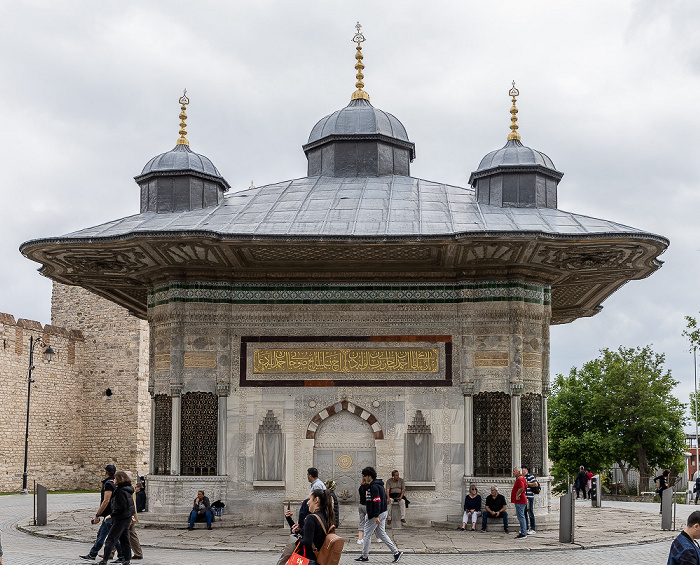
<point x="117" y="426"/>
<point x="55" y="456"/>
<point x="75" y="427"/>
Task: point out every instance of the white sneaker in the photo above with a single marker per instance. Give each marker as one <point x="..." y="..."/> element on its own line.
<point x="531" y="532"/>
<point x="360" y="542"/>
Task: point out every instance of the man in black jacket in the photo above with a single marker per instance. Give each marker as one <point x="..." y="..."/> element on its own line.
<point x="376" y="516"/>
<point x="104" y="511"/>
<point x="581" y="479"/>
<point x="122" y="502"/>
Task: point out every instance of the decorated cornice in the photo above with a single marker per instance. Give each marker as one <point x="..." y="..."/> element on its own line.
<point x="582" y="270"/>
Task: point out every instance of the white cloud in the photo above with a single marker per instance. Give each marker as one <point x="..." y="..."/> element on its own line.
<point x="607" y="91"/>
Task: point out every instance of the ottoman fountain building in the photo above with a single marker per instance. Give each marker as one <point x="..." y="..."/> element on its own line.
<point x="356" y="316"/>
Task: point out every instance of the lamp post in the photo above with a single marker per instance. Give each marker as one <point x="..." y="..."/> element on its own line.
<point x="697" y="447"/>
<point x="48" y="353"/>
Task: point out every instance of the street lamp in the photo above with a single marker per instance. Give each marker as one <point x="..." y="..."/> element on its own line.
<point x="48" y="353"/>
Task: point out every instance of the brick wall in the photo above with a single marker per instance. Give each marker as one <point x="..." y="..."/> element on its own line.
<point x="75" y="428"/>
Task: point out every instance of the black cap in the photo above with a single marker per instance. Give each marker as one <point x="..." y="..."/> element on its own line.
<point x="111" y="469"/>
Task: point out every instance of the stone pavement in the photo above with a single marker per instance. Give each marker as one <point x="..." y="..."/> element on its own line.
<point x="618" y="532"/>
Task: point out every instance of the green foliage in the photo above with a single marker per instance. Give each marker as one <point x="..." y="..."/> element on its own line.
<point x="692" y="407"/>
<point x="692" y="332"/>
<point x="616" y="408"/>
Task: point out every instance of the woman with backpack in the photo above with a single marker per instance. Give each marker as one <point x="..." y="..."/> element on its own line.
<point x="317" y="523"/>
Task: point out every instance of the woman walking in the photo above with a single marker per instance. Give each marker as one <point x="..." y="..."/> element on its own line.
<point x="122" y="510"/>
<point x="317" y="523"/>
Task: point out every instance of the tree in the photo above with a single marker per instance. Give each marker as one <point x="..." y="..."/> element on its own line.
<point x="692" y="332"/>
<point x="573" y="441"/>
<point x="617" y="408"/>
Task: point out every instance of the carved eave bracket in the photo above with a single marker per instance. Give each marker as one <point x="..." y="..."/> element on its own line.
<point x="582" y="270"/>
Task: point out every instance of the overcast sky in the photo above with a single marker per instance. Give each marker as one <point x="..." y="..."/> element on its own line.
<point x="609" y="90"/>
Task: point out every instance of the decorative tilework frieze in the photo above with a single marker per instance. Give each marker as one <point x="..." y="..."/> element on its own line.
<point x="350" y="293"/>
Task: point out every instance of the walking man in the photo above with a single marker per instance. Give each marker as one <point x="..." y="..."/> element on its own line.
<point x="122" y="502"/>
<point x="376" y="516"/>
<point x="684" y="549"/>
<point x="531" y="482"/>
<point x="582" y="479"/>
<point x="104" y="511"/>
<point x="517" y="497"/>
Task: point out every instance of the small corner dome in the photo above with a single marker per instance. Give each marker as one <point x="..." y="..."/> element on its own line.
<point x="359" y="118"/>
<point x="181" y="158"/>
<point x="514" y="153"/>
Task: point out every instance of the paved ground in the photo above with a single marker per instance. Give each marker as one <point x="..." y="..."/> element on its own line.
<point x="630" y="533"/>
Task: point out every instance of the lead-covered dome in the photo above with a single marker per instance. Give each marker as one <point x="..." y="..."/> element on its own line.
<point x="516" y="176"/>
<point x="181" y="158"/>
<point x="359" y="141"/>
<point x="358" y="118"/>
<point x="514" y="153"/>
<point x="180" y="179"/>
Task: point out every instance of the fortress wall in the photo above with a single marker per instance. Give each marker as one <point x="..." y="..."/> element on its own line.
<point x="117" y="427"/>
<point x="55" y="456"/>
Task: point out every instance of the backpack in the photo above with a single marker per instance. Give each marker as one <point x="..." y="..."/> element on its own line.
<point x="536" y="489"/>
<point x="329" y="552"/>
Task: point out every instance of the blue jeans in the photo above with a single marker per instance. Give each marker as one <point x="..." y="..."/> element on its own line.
<point x="520" y="512"/>
<point x="485" y="515"/>
<point x="194" y="515"/>
<point x="102" y="533"/>
<point x="529" y="512"/>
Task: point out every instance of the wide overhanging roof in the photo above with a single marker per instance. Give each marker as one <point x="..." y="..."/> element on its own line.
<point x="390" y="228"/>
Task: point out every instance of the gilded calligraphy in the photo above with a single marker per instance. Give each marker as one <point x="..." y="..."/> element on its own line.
<point x="491" y="359"/>
<point x="345" y="361"/>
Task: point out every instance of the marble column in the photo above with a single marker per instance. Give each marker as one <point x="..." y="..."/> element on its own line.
<point x="516" y="389"/>
<point x="545" y="431"/>
<point x="222" y="390"/>
<point x="152" y="440"/>
<point x="176" y="392"/>
<point x="468" y="392"/>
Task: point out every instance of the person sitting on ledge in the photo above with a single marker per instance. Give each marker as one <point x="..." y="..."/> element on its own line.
<point x="200" y="509"/>
<point x="495" y="508"/>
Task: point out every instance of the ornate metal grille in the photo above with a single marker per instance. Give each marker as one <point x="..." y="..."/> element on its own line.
<point x="199" y="433"/>
<point x="492" y="441"/>
<point x="162" y="434"/>
<point x="531" y="431"/>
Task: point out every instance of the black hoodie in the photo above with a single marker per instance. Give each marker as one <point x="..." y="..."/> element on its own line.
<point x="123" y="502"/>
<point x="376" y="498"/>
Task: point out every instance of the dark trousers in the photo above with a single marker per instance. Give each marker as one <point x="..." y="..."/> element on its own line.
<point x="530" y="514"/>
<point x="485" y="517"/>
<point x="118" y="533"/>
<point x="102" y="533"/>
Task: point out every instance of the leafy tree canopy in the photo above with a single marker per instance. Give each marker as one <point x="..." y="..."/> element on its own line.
<point x="616" y="408"/>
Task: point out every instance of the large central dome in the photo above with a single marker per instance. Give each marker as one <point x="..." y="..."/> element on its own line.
<point x="358" y="118"/>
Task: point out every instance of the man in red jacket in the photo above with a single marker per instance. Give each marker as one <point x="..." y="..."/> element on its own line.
<point x="517" y="497"/>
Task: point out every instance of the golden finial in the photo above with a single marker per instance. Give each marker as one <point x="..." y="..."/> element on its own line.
<point x="252" y="184"/>
<point x="514" y="115"/>
<point x="182" y="140"/>
<point x="359" y="93"/>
